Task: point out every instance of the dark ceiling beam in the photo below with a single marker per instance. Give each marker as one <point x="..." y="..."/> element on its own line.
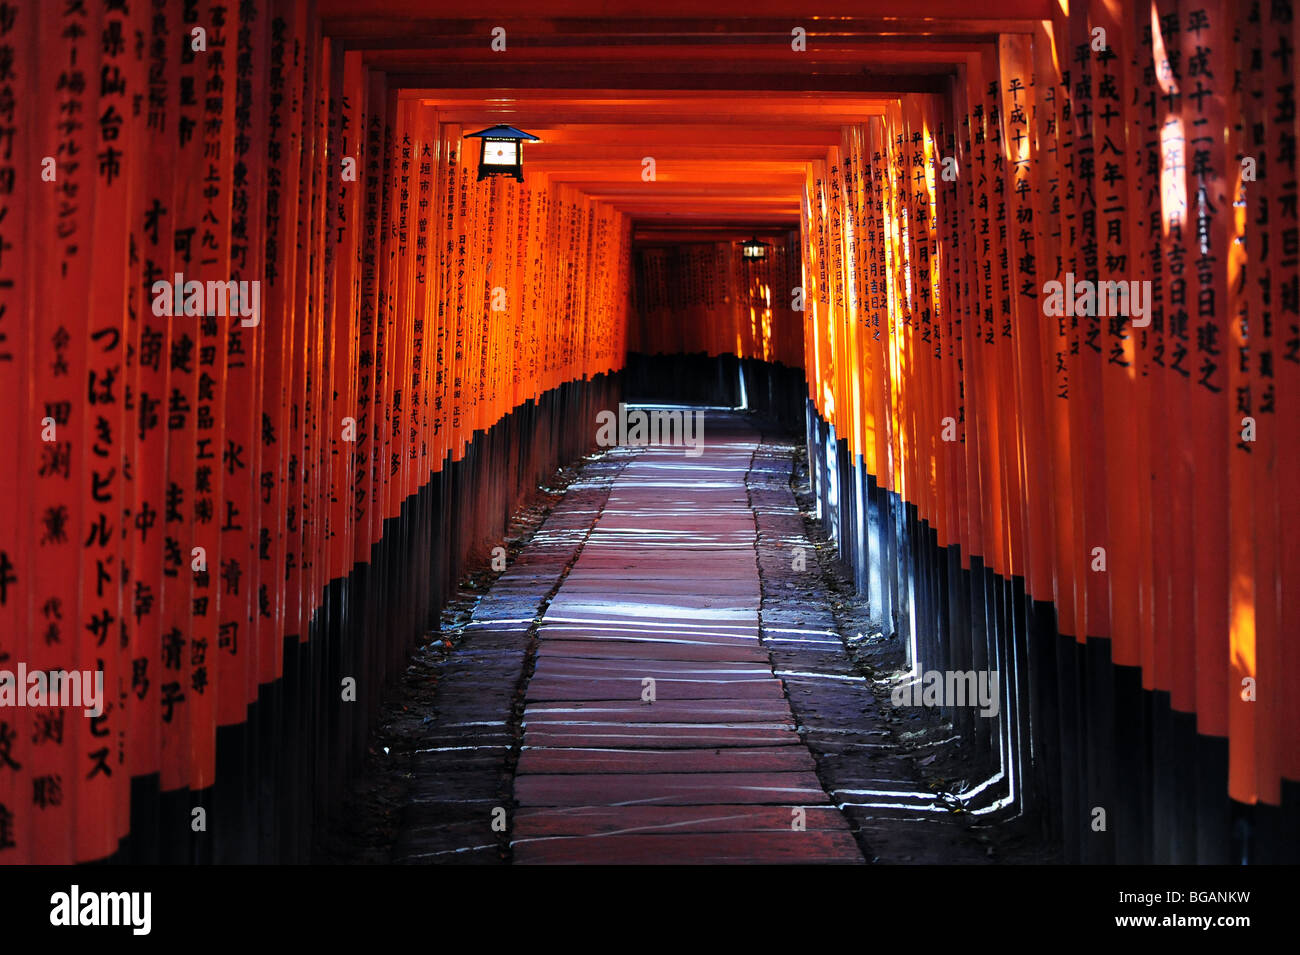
<point x="674" y="59"/>
<point x="631" y="46"/>
<point x="650" y="234"/>
<point x="863" y="81"/>
<point x="701" y="135"/>
<point x="740" y="116"/>
<point x="769" y="216"/>
<point x="371" y="32"/>
<point x="717" y="127"/>
<point x="721" y="12"/>
<point x="666" y="152"/>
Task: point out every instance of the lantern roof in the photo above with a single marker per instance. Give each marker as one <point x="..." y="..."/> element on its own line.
<point x="502" y="131"/>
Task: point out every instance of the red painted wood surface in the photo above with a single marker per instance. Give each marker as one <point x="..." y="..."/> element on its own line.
<point x="200" y="486"/>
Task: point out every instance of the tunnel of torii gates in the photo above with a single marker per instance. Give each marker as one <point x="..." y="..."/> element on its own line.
<point x="230" y="513"/>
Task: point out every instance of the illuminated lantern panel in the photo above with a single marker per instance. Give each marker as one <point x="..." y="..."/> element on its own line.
<point x="753" y="249"/>
<point x="502" y="152"/>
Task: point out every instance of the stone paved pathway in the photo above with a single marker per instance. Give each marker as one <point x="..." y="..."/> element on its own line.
<point x="664" y="572"/>
<point x="655" y="728"/>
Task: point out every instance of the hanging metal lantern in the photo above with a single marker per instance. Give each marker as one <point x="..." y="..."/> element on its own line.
<point x="502" y="152"/>
<point x="754" y="249"/>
